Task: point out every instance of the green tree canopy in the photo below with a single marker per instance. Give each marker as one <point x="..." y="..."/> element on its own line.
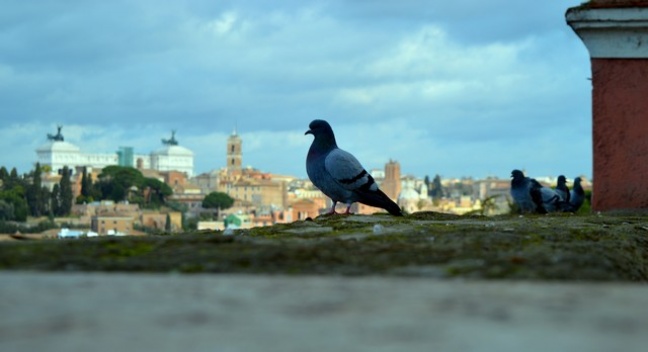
<point x="37" y="195"/>
<point x="16" y="198"/>
<point x="66" y="192"/>
<point x="436" y="190"/>
<point x="120" y="183"/>
<point x="115" y="182"/>
<point x="61" y="196"/>
<point x="156" y="191"/>
<point x="217" y="200"/>
<point x="13" y="194"/>
<point x="6" y="211"/>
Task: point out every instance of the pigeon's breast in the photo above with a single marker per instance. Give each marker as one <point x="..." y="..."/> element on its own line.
<point x="316" y="170"/>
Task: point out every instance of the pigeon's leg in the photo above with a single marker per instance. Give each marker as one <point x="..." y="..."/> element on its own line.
<point x="348" y="210"/>
<point x="332" y="211"/>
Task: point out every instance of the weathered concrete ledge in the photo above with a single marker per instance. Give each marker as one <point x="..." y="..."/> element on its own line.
<point x="62" y="312"/>
<point x="553" y="247"/>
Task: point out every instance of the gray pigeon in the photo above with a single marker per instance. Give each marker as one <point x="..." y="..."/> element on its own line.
<point x="551" y="200"/>
<point x="577" y="196"/>
<point x="521" y="193"/>
<point x="532" y="197"/>
<point x="562" y="189"/>
<point x="339" y="175"/>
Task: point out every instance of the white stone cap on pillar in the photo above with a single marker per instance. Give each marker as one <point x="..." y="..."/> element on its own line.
<point x="611" y="32"/>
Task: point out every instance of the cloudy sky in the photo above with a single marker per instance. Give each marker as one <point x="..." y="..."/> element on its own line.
<point x="456" y="88"/>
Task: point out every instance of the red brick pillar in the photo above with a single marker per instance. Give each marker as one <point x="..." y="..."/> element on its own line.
<point x="615" y="33"/>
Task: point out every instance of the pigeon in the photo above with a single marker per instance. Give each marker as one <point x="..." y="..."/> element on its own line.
<point x="532" y="197"/>
<point x="521" y="193"/>
<point x="576" y="196"/>
<point x="339" y="175"/>
<point x="562" y="189"/>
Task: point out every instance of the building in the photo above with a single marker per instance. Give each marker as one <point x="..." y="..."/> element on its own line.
<point x="158" y="221"/>
<point x="110" y="224"/>
<point x="615" y="33"/>
<point x="238" y="221"/>
<point x="392" y="183"/>
<point x="234" y="152"/>
<point x="307" y="208"/>
<point x="259" y="192"/>
<point x="57" y="153"/>
<point x="171" y="157"/>
<point x="207" y="182"/>
<point x="125" y="156"/>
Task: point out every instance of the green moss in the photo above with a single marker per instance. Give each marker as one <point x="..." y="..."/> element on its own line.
<point x="554" y="247"/>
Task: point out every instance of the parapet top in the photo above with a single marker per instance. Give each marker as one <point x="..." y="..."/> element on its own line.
<point x="614" y="3"/>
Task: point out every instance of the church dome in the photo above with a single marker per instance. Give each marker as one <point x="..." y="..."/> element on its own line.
<point x="408" y="193"/>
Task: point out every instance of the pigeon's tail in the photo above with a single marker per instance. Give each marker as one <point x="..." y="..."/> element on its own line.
<point x="380" y="200"/>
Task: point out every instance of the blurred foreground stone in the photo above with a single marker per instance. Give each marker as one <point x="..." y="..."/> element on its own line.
<point x="169" y="312"/>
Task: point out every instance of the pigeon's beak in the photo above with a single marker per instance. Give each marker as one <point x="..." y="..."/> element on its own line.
<point x="308" y="132"/>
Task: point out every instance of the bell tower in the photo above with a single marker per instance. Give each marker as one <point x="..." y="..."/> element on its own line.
<point x="392" y="184"/>
<point x="234" y="152"/>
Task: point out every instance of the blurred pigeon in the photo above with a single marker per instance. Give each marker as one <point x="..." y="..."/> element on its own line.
<point x="339" y="175"/>
<point x="577" y="196"/>
<point x="521" y="192"/>
<point x="532" y="197"/>
<point x="551" y="200"/>
<point x="562" y="189"/>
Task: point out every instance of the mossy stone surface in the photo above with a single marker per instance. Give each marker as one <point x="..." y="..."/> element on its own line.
<point x="551" y="247"/>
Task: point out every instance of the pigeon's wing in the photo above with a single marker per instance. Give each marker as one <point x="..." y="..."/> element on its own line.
<point x="347" y="171"/>
<point x="551" y="200"/>
<point x="550" y="195"/>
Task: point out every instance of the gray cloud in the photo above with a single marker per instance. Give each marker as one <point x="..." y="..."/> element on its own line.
<point x="486" y="86"/>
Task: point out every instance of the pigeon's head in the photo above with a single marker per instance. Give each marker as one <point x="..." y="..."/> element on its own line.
<point x="322" y="132"/>
<point x="562" y="180"/>
<point x="517" y="174"/>
<point x="577" y="181"/>
<point x="319" y="128"/>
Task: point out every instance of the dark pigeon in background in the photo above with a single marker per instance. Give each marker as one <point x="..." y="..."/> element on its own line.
<point x="339" y="175"/>
<point x="521" y="189"/>
<point x="562" y="189"/>
<point x="577" y="196"/>
<point x="532" y="197"/>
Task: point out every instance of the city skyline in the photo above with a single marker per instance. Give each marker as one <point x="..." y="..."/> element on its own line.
<point x="479" y="91"/>
<point x="101" y="157"/>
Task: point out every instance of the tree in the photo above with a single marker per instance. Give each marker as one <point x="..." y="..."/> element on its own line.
<point x="217" y="200"/>
<point x="86" y="183"/>
<point x="37" y="195"/>
<point x="4" y="174"/>
<point x="10" y="180"/>
<point x="65" y="188"/>
<point x="16" y="198"/>
<point x="55" y="200"/>
<point x="167" y="225"/>
<point x="6" y="211"/>
<point x="156" y="192"/>
<point x="426" y="181"/>
<point x="86" y="194"/>
<point x="436" y="190"/>
<point x="115" y="182"/>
